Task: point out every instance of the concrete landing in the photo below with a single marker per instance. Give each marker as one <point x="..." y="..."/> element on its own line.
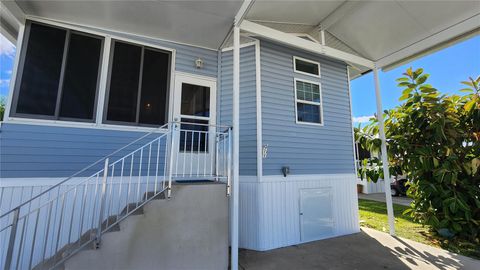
<point x="189" y="231"/>
<point x="369" y="249"/>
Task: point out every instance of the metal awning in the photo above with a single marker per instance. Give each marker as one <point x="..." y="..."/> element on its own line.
<point x="387" y="32"/>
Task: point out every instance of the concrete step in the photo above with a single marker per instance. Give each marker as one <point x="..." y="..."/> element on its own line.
<point x="90" y="235"/>
<point x="188" y="231"/>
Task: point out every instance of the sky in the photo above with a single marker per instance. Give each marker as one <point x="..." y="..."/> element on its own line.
<point x="447" y="68"/>
<point x="7" y="56"/>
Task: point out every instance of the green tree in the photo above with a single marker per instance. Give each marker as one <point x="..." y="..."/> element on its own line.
<point x="434" y="140"/>
<point x="2" y="107"/>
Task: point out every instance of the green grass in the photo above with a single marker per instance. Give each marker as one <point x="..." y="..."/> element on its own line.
<point x="374" y="215"/>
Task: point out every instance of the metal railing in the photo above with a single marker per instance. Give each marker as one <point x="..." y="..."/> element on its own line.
<point x="47" y="229"/>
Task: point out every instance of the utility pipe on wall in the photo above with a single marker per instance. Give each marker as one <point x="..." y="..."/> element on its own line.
<point x="386" y="173"/>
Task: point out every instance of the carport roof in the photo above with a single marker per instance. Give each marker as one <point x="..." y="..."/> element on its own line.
<point x="387" y="32"/>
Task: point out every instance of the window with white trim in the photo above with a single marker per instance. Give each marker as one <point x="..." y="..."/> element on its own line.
<point x="305" y="66"/>
<point x="137" y="92"/>
<point x="58" y="75"/>
<point x="308" y="102"/>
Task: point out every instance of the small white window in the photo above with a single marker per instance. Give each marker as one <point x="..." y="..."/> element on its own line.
<point x="305" y="66"/>
<point x="308" y="102"/>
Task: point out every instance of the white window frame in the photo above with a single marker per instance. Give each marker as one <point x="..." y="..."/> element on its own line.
<point x="295" y="58"/>
<point x="100" y="102"/>
<point x="320" y="104"/>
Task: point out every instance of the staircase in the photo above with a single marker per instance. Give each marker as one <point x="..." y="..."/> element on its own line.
<point x="134" y="198"/>
<point x="194" y="236"/>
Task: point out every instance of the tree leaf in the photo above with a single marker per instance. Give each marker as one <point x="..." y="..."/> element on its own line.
<point x="422" y="79"/>
<point x="469" y="105"/>
<point x="402" y="79"/>
<point x="409" y="72"/>
<point x="404" y="97"/>
<point x="468" y="83"/>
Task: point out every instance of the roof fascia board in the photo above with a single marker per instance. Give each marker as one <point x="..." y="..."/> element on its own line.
<point x="291" y="40"/>
<point x="8" y="31"/>
<point x="12" y="10"/>
<point x="242" y="12"/>
<point x="442" y="39"/>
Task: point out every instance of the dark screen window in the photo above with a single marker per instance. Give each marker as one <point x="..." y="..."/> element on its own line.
<point x="81" y="75"/>
<point x="138" y="85"/>
<point x="154" y="87"/>
<point x="59" y="74"/>
<point x="122" y="102"/>
<point x="41" y="71"/>
<point x="307" y="67"/>
<point x="195" y="100"/>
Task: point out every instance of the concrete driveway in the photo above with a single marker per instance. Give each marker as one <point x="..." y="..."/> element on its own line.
<point x="380" y="197"/>
<point x="369" y="249"/>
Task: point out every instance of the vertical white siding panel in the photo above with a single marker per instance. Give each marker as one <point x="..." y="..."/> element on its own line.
<point x="248" y="215"/>
<point x="278" y="208"/>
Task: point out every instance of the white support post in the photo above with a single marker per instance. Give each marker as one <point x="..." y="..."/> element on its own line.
<point x="386" y="173"/>
<point x="236" y="133"/>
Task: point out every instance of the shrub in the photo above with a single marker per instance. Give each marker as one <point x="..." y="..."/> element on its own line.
<point x="434" y="140"/>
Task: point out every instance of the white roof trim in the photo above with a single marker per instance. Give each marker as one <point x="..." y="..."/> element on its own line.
<point x="12" y="10"/>
<point x="301" y="43"/>
<point x="439" y="40"/>
<point x="242" y="12"/>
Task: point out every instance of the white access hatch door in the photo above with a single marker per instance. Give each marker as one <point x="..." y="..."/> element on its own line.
<point x="316" y="214"/>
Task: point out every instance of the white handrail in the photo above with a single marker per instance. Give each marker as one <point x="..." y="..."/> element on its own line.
<point x="55" y="224"/>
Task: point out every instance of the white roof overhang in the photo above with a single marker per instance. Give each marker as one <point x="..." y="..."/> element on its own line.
<point x="197" y="22"/>
<point x="364" y="34"/>
<point x="388" y="32"/>
<point x="11" y="18"/>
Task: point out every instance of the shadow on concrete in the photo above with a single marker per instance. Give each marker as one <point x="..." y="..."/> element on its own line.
<point x="368" y="249"/>
<point x="357" y="251"/>
<point x="412" y="255"/>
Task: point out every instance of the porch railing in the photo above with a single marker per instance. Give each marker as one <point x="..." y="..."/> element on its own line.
<point x="47" y="229"/>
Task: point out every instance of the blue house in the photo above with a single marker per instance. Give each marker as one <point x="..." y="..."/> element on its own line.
<point x="132" y="126"/>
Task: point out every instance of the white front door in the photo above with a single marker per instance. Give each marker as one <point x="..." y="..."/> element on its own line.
<point x="194" y="109"/>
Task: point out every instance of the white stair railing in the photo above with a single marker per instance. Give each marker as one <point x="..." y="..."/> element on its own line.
<point x="47" y="229"/>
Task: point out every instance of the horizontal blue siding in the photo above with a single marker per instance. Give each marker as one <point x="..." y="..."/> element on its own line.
<point x="186" y="54"/>
<point x="305" y="149"/>
<point x="248" y="111"/>
<point x="48" y="151"/>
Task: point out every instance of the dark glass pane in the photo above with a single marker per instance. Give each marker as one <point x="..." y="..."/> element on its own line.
<point x="307" y="67"/>
<point x="41" y="71"/>
<point x="80" y="77"/>
<point x="194" y="137"/>
<point x="195" y="100"/>
<point x="125" y="72"/>
<point x="308" y="113"/>
<point x="153" y="101"/>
